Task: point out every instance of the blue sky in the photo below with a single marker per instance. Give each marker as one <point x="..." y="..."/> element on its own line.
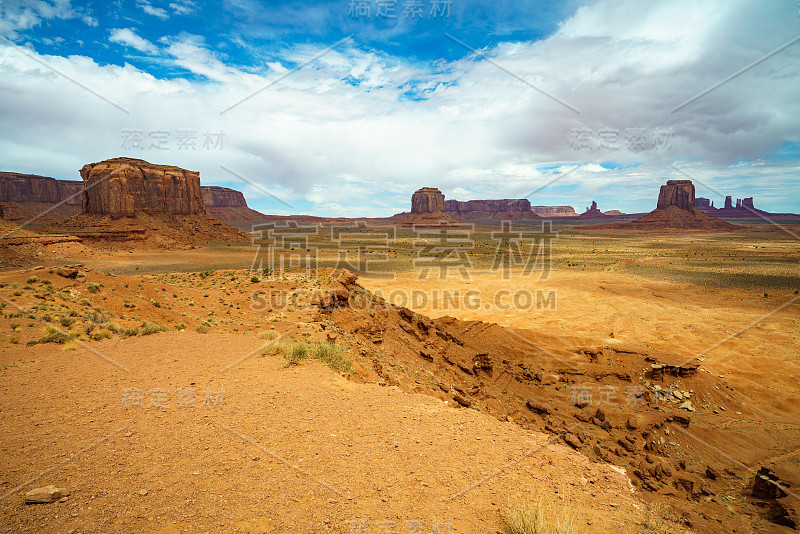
<point x="483" y="99"/>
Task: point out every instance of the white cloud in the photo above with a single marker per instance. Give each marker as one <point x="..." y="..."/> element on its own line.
<point x="342" y="134"/>
<point x="128" y="37"/>
<point x="148" y="8"/>
<point x="183" y="7"/>
<point x="19" y="15"/>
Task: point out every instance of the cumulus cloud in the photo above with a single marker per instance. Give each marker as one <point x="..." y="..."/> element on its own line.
<point x="129" y="37"/>
<point x="357" y="130"/>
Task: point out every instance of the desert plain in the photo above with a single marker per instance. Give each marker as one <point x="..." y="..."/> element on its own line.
<point x="184" y="391"/>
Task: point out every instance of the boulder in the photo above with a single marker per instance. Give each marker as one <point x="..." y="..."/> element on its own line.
<point x="679" y="193"/>
<point x="45" y="494"/>
<point x="123" y="186"/>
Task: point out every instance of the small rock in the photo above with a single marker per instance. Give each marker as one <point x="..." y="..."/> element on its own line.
<point x="142" y="492"/>
<point x="537" y="407"/>
<point x="463" y="401"/>
<point x="687" y="405"/>
<point x="633" y="422"/>
<point x="600" y="414"/>
<point x="711" y="473"/>
<point x="45" y="494"/>
<point x="572" y="441"/>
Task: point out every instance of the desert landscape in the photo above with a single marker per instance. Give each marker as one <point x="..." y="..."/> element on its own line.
<point x="419" y="267"/>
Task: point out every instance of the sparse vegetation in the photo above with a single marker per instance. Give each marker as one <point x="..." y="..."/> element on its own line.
<point x="535" y="517"/>
<point x="296" y="351"/>
<point x="151" y="328"/>
<point x="93" y="287"/>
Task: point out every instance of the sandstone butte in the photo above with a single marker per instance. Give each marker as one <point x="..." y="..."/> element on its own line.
<point x="675" y="210"/>
<point x="427" y="208"/>
<point x="144" y="204"/>
<point x="122" y="186"/>
<point x="592" y="212"/>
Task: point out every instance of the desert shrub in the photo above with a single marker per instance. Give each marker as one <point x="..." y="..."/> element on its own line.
<point x="14" y="326"/>
<point x="128" y="332"/>
<point x="268" y="335"/>
<point x="151" y="328"/>
<point x="331" y="355"/>
<point x="202" y="329"/>
<point x="85" y="302"/>
<point x="46" y="282"/>
<point x="294" y="352"/>
<point x="50" y="329"/>
<point x="254" y="279"/>
<point x="47" y="318"/>
<point x="70" y="345"/>
<point x="32" y="280"/>
<point x="55" y="337"/>
<point x="93" y="287"/>
<point x="13" y="339"/>
<point x="102" y="333"/>
<point x="17" y="293"/>
<point x="180" y="327"/>
<point x="535" y="518"/>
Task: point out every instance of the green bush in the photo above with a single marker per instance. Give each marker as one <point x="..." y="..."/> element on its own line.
<point x="151" y="328"/>
<point x="331" y="355"/>
<point x="55" y="337"/>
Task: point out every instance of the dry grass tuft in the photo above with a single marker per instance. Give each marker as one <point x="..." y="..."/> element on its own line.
<point x="538" y="517"/>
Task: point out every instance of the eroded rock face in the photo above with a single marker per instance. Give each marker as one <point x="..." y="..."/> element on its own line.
<point x="519" y="208"/>
<point x="679" y="193"/>
<point x="123" y="186"/>
<point x="16" y="187"/>
<point x="427" y="200"/>
<point x="222" y="197"/>
<point x="488" y="206"/>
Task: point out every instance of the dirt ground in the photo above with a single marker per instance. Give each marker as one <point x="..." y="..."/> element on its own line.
<point x="189" y="429"/>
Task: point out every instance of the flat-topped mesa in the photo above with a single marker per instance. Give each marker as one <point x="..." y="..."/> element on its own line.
<point x="554" y="211"/>
<point x="122" y="186"/>
<point x="427" y="200"/>
<point x="518" y="208"/>
<point x="221" y="197"/>
<point x="18" y="187"/>
<point x="456" y="206"/>
<point x="679" y="193"/>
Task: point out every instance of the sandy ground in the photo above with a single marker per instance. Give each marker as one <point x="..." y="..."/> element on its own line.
<point x="264" y="448"/>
